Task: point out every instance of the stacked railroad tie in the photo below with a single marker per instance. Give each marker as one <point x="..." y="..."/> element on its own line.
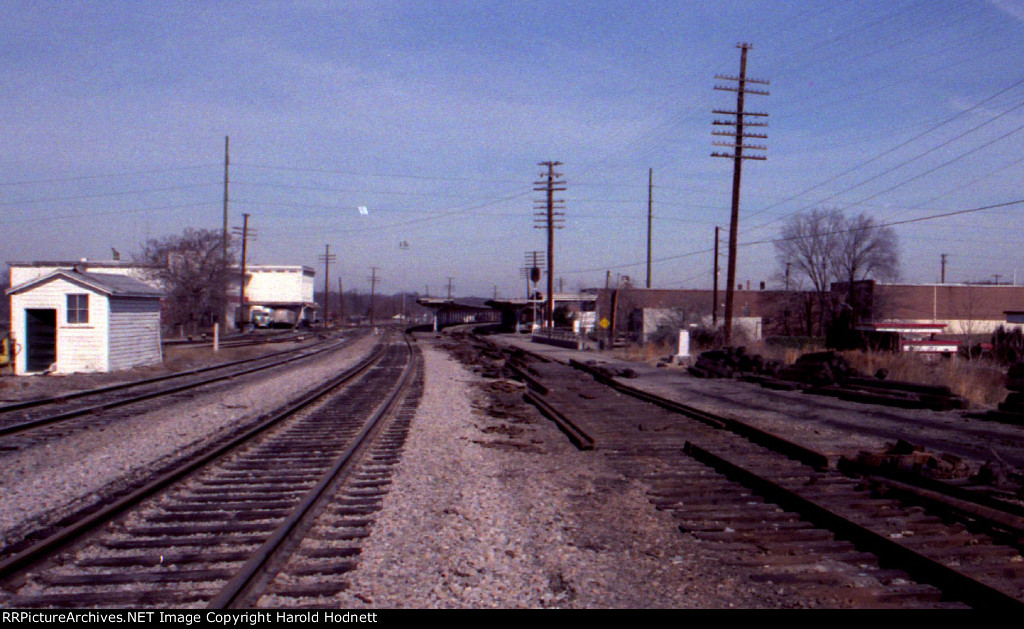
<point x="903" y="456"/>
<point x="1011" y="410"/>
<point x="824" y="373"/>
<point x="733" y="361"/>
<point x="904" y="461"/>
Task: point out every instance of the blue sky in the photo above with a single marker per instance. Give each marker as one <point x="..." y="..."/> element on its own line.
<point x="435" y="115"/>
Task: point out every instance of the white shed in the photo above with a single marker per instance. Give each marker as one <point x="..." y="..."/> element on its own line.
<point x="70" y="321"/>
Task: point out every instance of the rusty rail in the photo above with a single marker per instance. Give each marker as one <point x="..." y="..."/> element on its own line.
<point x="922" y="568"/>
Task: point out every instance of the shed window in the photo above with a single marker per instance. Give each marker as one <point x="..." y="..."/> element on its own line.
<point x="78" y="308"/>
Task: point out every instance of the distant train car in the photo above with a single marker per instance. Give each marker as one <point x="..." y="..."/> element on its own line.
<point x="261" y="320"/>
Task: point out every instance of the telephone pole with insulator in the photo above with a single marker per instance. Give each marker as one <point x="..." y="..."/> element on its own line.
<point x="739" y="135"/>
<point x="549" y="214"/>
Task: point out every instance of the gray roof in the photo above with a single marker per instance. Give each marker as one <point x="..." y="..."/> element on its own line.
<point x="109" y="283"/>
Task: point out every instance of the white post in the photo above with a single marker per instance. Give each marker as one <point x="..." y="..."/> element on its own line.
<point x="216" y="338"/>
<point x="684" y="344"/>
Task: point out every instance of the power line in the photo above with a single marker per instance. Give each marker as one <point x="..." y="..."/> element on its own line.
<point x="108" y="194"/>
<point x="354" y="190"/>
<point x="907" y="221"/>
<point x="162" y="208"/>
<point x="889" y="152"/>
<point x="105" y="176"/>
<point x="332" y="171"/>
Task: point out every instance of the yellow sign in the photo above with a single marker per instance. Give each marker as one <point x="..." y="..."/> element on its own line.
<point x="604" y="323"/>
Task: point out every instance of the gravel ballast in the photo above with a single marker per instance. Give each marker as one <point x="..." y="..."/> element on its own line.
<point x="491" y="511"/>
<point x="43" y="483"/>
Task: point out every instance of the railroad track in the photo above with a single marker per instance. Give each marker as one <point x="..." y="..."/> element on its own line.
<point x="239" y="340"/>
<point x="784" y="512"/>
<point x="281" y="512"/>
<point x="29" y="422"/>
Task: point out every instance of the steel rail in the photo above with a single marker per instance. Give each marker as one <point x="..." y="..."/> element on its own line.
<point x="921" y="567"/>
<point x="50" y="419"/>
<point x="576" y="435"/>
<point x="235" y="340"/>
<point x="774" y="442"/>
<point x="16" y="406"/>
<point x="40" y="549"/>
<point x="852" y="467"/>
<point x="997" y="517"/>
<point x="241" y="588"/>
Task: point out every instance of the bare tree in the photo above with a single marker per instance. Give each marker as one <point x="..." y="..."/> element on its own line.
<point x="864" y="249"/>
<point x="806" y="242"/>
<point x="5" y="307"/>
<point x="966" y="307"/>
<point x="825" y="246"/>
<point x="193" y="273"/>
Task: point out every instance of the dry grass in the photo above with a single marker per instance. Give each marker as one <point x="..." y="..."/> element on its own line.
<point x="980" y="382"/>
<point x="785" y="355"/>
<point x="650" y="353"/>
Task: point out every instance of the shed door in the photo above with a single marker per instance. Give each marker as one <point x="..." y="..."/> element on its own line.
<point x="41" y="337"/>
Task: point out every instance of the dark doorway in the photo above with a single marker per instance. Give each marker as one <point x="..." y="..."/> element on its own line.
<point x="41" y="335"/>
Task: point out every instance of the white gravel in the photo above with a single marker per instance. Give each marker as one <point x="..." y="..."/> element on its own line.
<point x="472" y="523"/>
<point x="42" y="483"/>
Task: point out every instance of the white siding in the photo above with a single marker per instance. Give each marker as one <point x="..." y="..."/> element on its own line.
<point x="80" y="346"/>
<point x="307" y="286"/>
<point x="292" y="285"/>
<point x="134" y="333"/>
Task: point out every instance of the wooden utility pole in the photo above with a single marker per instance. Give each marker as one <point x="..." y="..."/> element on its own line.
<point x="714" y="293"/>
<point x="326" y="259"/>
<point x="549" y="214"/>
<point x="650" y="180"/>
<point x="737" y="146"/>
<point x="341" y="303"/>
<point x="242" y="318"/>
<point x="224" y="236"/>
<point x="373" y="293"/>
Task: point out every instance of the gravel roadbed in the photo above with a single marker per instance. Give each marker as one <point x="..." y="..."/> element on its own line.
<point x="41" y="484"/>
<point x="492" y="507"/>
<point x="829" y="425"/>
